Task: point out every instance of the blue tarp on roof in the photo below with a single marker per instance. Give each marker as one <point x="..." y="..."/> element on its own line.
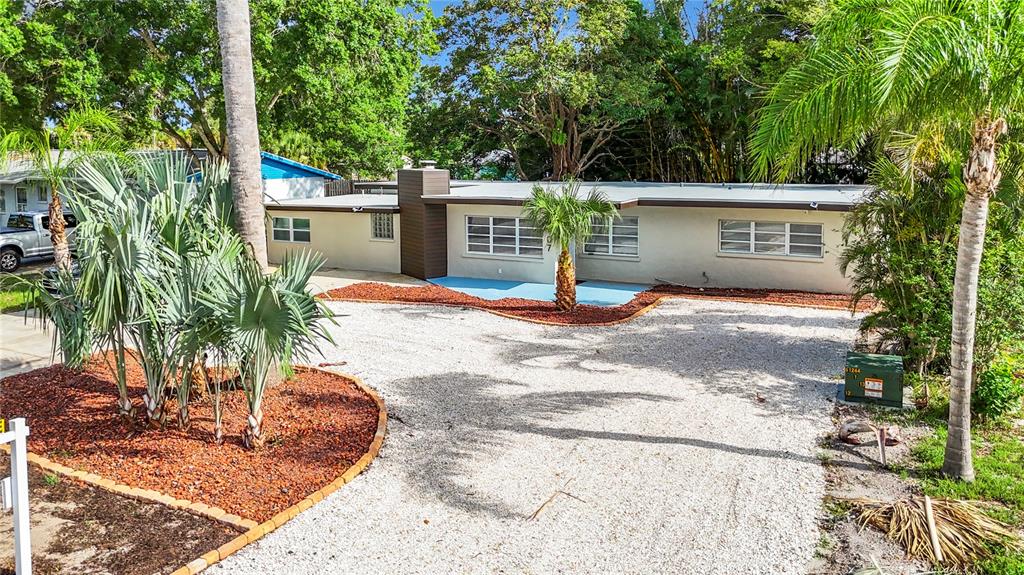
<point x="274" y="167"/>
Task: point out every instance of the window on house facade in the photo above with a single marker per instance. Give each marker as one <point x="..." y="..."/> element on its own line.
<point x="3" y="202"/>
<point x="291" y="230"/>
<point x="770" y="238"/>
<point x="503" y="236"/>
<point x="382" y="226"/>
<point x="21" y="199"/>
<point x="42" y="195"/>
<point x="617" y="237"/>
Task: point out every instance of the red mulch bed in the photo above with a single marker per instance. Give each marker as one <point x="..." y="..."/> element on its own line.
<point x="316" y="426"/>
<point x="586" y="314"/>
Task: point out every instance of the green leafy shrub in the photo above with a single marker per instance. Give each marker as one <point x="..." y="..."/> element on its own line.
<point x="999" y="389"/>
<point x="900" y="248"/>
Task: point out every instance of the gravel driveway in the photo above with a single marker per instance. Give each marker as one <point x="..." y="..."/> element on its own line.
<point x="683" y="442"/>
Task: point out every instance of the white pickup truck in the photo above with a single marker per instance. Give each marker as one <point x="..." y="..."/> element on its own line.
<point x="27" y="235"/>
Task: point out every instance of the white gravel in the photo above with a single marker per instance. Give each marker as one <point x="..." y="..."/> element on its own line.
<point x="683" y="442"/>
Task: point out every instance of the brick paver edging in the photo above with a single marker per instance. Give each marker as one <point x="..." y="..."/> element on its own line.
<point x="251" y="531"/>
<point x="325" y="297"/>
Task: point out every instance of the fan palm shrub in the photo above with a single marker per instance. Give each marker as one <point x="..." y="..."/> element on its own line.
<point x="909" y="74"/>
<point x="165" y="273"/>
<point x="566" y="219"/>
<point x="269" y="319"/>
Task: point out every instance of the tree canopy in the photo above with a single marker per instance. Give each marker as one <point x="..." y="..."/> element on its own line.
<point x="334" y="74"/>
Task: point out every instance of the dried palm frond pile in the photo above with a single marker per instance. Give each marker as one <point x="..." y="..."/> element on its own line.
<point x="965" y="534"/>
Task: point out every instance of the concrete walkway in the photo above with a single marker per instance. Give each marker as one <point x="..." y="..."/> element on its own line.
<point x="24" y="345"/>
<point x="683" y="442"/>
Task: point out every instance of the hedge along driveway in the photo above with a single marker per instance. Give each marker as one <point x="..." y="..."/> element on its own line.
<point x="682" y="442"/>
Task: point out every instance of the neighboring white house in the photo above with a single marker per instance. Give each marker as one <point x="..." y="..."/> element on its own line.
<point x="715" y="235"/>
<point x="285" y="179"/>
<point x="22" y="190"/>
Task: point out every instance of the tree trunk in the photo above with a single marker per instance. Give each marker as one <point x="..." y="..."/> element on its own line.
<point x="565" y="282"/>
<point x="252" y="435"/>
<point x="243" y="139"/>
<point x="58" y="235"/>
<point x="981" y="175"/>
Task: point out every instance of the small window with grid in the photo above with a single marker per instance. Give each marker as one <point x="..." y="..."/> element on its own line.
<point x="291" y="230"/>
<point x="382" y="226"/>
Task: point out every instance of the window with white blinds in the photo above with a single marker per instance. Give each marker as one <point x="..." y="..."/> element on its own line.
<point x="618" y="237"/>
<point x="770" y="238"/>
<point x="503" y="237"/>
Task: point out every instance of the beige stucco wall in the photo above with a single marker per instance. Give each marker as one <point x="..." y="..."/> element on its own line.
<point x="463" y="264"/>
<point x="344" y="238"/>
<point x="676" y="244"/>
<point x="681" y="245"/>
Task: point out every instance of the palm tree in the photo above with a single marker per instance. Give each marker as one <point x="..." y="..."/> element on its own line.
<point x="566" y="219"/>
<point x="55" y="153"/>
<point x="268" y="319"/>
<point x="243" y="135"/>
<point x="908" y="72"/>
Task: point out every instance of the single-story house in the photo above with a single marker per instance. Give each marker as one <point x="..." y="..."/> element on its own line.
<point x="715" y="235"/>
<point x="22" y="190"/>
<point x="285" y="179"/>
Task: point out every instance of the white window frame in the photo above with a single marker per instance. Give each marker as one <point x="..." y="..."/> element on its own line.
<point x="520" y="223"/>
<point x="611" y="224"/>
<point x="19" y="205"/>
<point x="388" y="227"/>
<point x="787" y="243"/>
<point x="3" y="202"/>
<point x="43" y="194"/>
<point x="290" y="229"/>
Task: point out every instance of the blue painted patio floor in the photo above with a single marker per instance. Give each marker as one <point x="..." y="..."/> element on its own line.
<point x="587" y="292"/>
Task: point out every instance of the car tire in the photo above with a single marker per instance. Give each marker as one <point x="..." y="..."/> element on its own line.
<point x="9" y="260"/>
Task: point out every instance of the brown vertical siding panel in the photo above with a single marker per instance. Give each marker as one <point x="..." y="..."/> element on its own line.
<point x="424" y="249"/>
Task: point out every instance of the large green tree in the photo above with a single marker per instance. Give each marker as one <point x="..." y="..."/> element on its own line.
<point x="910" y="73"/>
<point x="337" y="71"/>
<point x="699" y="75"/>
<point x="546" y="70"/>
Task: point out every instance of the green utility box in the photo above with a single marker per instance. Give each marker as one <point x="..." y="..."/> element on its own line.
<point x="874" y="378"/>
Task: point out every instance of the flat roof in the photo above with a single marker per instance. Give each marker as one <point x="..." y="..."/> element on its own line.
<point x="344" y="203"/>
<point x="628" y="194"/>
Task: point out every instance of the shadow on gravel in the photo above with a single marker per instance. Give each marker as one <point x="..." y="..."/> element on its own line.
<point x="456" y="417"/>
<point x="736" y="353"/>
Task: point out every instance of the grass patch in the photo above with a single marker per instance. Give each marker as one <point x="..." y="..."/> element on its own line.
<point x="998" y="469"/>
<point x="13" y="293"/>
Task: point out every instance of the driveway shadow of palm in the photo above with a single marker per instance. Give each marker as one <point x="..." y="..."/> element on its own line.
<point x="465" y="415"/>
<point x="730" y="353"/>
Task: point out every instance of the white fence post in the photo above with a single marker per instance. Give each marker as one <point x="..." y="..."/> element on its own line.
<point x="19" y="489"/>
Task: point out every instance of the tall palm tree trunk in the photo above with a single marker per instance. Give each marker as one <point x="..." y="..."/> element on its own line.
<point x="58" y="234"/>
<point x="242" y="131"/>
<point x="981" y="174"/>
<point x="565" y="282"/>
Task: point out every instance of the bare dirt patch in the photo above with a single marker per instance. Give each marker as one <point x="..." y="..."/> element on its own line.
<point x="316" y="424"/>
<point x="585" y="314"/>
<point x="853" y="471"/>
<point x="82" y="529"/>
